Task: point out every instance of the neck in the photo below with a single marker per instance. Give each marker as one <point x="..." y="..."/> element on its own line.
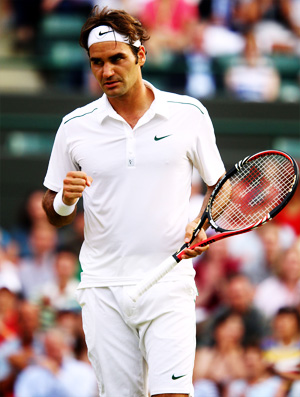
<point x="256" y="378"/>
<point x="134" y="104"/>
<point x="291" y="284"/>
<point x="62" y="283"/>
<point x="287" y="340"/>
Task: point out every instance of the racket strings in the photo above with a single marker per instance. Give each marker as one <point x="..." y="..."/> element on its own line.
<point x="251" y="193"/>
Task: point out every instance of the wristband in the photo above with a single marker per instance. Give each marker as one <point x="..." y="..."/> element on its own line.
<point x="60" y="207"/>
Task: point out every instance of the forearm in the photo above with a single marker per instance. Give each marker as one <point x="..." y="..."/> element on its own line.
<point x="207" y="195"/>
<point x="54" y="218"/>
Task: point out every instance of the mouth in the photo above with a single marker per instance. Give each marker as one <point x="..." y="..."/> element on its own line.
<point x="111" y="84"/>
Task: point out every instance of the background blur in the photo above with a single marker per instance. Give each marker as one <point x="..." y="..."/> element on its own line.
<point x="241" y="58"/>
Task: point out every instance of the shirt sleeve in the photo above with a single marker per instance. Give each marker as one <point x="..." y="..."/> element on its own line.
<point x="205" y="154"/>
<point x="60" y="162"/>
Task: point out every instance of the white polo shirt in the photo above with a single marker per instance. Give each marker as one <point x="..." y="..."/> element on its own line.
<point x="137" y="207"/>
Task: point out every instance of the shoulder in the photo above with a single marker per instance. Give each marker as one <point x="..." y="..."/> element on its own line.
<point x="268" y="343"/>
<point x="269" y="283"/>
<point x="184" y="103"/>
<point x="83" y="112"/>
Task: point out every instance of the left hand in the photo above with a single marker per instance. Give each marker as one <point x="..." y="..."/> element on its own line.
<point x="192" y="253"/>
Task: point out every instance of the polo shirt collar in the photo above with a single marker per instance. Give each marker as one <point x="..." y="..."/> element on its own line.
<point x="159" y="106"/>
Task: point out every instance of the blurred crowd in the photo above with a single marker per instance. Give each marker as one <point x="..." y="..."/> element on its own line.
<point x="248" y="309"/>
<point x="246" y="49"/>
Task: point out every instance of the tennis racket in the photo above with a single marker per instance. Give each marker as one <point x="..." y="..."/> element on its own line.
<point x="251" y="193"/>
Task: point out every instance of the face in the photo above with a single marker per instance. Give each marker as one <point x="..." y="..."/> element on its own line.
<point x="116" y="68"/>
<point x="230" y="331"/>
<point x="290" y="266"/>
<point x="240" y="294"/>
<point x="254" y="362"/>
<point x="286" y="326"/>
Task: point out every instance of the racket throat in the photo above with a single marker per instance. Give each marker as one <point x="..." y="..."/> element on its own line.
<point x="177" y="259"/>
<point x="178" y="255"/>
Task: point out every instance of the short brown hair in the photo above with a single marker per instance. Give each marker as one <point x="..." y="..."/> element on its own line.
<point x="119" y="20"/>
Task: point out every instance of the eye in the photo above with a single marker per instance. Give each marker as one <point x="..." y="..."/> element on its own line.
<point x="117" y="58"/>
<point x="97" y="62"/>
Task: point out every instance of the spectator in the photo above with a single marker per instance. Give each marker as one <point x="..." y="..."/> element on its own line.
<point x="169" y="24"/>
<point x="30" y="213"/>
<point x="8" y="314"/>
<point x="10" y="287"/>
<point x="56" y="373"/>
<point x="200" y="80"/>
<point x="282" y="348"/>
<point x="72" y="236"/>
<point x="9" y="277"/>
<point x="38" y="268"/>
<point x="258" y="380"/>
<point x="295" y="389"/>
<point x="283" y="286"/>
<point x="67" y="6"/>
<point x="18" y="352"/>
<point x="276" y="31"/>
<point x="290" y="215"/>
<point x="237" y="298"/>
<point x="26" y="21"/>
<point x="237" y="15"/>
<point x="291" y="12"/>
<point x="252" y="77"/>
<point x="70" y="322"/>
<point x="259" y="251"/>
<point x="222" y="362"/>
<point x="212" y="269"/>
<point x="60" y="292"/>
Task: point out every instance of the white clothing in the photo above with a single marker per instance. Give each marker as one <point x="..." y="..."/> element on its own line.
<point x="9" y="277"/>
<point x="74" y="379"/>
<point x="150" y="341"/>
<point x="266" y="388"/>
<point x="251" y="83"/>
<point x="272" y="294"/>
<point x="137" y="207"/>
<point x="61" y="300"/>
<point x="35" y="274"/>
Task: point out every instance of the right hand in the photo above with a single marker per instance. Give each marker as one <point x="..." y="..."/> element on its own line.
<point x="74" y="184"/>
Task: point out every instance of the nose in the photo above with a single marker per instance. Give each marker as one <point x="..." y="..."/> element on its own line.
<point x="107" y="70"/>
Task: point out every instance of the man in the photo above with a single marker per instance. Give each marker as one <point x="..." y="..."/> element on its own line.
<point x="259" y="381"/>
<point x="17" y="352"/>
<point x="56" y="372"/>
<point x="130" y="154"/>
<point x="237" y="298"/>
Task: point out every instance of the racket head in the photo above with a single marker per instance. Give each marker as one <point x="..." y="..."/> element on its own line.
<point x="253" y="191"/>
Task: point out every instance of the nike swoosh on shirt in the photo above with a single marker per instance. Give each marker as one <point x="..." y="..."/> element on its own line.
<point x="177" y="377"/>
<point x="156" y="138"/>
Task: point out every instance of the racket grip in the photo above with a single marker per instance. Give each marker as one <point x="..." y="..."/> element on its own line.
<point x="158" y="273"/>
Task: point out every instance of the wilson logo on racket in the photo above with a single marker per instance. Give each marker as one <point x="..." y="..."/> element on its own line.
<point x="251" y="193"/>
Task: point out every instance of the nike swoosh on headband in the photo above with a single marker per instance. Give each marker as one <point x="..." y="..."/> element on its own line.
<point x="105" y="33"/>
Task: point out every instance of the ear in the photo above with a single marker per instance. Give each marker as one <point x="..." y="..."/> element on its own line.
<point x="141" y="56"/>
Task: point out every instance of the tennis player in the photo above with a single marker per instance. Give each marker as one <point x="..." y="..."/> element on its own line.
<point x="130" y="154"/>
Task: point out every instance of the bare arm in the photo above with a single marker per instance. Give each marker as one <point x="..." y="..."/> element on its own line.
<point x="53" y="217"/>
<point x="73" y="187"/>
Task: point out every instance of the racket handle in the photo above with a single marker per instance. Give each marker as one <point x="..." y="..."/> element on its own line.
<point x="158" y="273"/>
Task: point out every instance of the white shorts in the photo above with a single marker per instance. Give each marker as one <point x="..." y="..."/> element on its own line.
<point x="143" y="347"/>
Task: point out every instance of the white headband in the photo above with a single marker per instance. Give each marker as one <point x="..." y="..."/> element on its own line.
<point x="106" y="33"/>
